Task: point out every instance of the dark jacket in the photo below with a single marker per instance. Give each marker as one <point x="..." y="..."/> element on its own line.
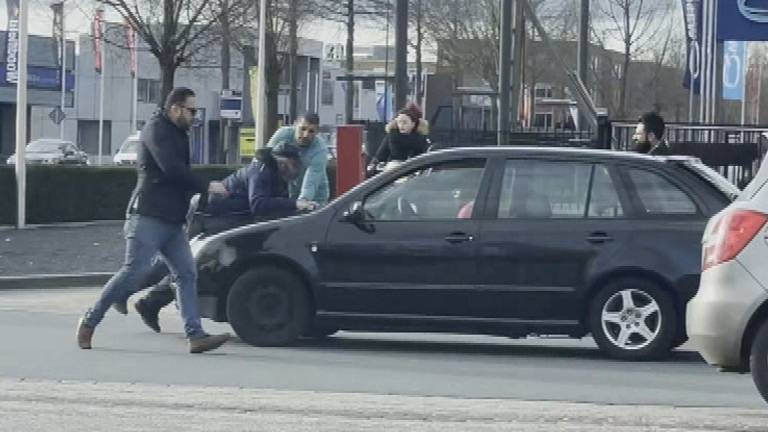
<point x="661" y="149"/>
<point x="401" y="147"/>
<point x="165" y="181"/>
<point x="257" y="188"/>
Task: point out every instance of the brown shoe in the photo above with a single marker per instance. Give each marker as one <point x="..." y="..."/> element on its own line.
<point x="84" y="334"/>
<point x="207" y="343"/>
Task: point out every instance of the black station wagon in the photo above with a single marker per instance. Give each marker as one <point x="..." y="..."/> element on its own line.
<point x="499" y="241"/>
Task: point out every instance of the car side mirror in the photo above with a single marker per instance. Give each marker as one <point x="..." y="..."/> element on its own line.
<point x="355" y="214"/>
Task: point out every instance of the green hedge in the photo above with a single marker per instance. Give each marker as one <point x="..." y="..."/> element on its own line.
<point x="74" y="194"/>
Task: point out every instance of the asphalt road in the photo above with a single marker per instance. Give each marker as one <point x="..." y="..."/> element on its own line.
<point x="39" y="346"/>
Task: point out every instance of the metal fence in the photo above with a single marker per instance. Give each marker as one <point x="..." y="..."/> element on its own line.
<point x="735" y="151"/>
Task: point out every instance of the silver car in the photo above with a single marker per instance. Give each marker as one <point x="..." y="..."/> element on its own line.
<point x="52" y="151"/>
<point x="727" y="320"/>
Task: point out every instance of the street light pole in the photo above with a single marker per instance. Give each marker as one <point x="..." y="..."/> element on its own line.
<point x="505" y="48"/>
<point x="63" y="70"/>
<point x="583" y="54"/>
<point x="401" y="53"/>
<point x="21" y="117"/>
<point x="259" y="116"/>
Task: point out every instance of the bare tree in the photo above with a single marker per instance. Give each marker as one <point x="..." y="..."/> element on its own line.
<point x="174" y="30"/>
<point x="345" y="12"/>
<point x="635" y="24"/>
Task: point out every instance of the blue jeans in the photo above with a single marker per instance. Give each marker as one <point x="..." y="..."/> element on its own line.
<point x="145" y="238"/>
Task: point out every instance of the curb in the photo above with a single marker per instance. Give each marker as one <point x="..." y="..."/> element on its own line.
<point x="54" y="281"/>
<point x="83" y="224"/>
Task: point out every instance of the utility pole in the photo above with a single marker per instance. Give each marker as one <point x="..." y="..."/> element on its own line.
<point x="401" y="53"/>
<point x="21" y="113"/>
<point x="583" y="54"/>
<point x="293" y="58"/>
<point x="505" y="48"/>
<point x="350" y="96"/>
<point x="517" y="62"/>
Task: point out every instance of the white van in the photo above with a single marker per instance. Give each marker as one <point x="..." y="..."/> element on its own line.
<point x="128" y="151"/>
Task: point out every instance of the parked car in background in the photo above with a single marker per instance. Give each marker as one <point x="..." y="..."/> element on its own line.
<point x="728" y="317"/>
<point x="128" y="152"/>
<point x="52" y="151"/>
<point x="505" y="241"/>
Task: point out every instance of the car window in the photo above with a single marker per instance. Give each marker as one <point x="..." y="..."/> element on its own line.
<point x="43" y="146"/>
<point x="604" y="201"/>
<point x="438" y="192"/>
<point x="130" y="146"/>
<point x="714" y="178"/>
<point x="544" y="190"/>
<point x="658" y="196"/>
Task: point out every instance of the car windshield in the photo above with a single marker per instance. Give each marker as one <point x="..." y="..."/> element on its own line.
<point x="130" y="146"/>
<point x="44" y="146"/>
<point x="714" y="178"/>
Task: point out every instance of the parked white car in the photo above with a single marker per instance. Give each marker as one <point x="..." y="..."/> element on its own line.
<point x="727" y="320"/>
<point x="128" y="151"/>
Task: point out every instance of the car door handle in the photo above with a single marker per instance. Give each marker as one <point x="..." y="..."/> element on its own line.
<point x="599" y="237"/>
<point x="454" y="238"/>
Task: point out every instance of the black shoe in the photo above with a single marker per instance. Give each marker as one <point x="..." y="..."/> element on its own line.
<point x="207" y="343"/>
<point x="151" y="317"/>
<point x="121" y="307"/>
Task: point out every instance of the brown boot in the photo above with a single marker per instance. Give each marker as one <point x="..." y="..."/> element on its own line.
<point x="84" y="334"/>
<point x="207" y="343"/>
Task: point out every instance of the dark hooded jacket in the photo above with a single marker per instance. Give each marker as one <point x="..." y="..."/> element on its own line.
<point x="400" y="147"/>
<point x="257" y="188"/>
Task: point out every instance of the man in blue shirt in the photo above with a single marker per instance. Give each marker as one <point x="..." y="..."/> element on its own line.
<point x="312" y="184"/>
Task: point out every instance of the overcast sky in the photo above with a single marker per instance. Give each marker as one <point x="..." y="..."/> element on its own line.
<point x="41" y="17"/>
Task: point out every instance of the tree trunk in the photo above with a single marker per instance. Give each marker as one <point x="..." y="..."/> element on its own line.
<point x="228" y="147"/>
<point x="350" y="94"/>
<point x="167" y="75"/>
<point x="293" y="108"/>
<point x="273" y="86"/>
<point x="167" y="57"/>
<point x="624" y="83"/>
<point x="226" y="42"/>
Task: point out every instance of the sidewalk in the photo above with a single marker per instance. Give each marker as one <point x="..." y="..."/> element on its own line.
<point x="39" y="405"/>
<point x="84" y="252"/>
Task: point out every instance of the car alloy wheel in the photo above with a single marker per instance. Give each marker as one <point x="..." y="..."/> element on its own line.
<point x="631" y="319"/>
<point x="634" y="318"/>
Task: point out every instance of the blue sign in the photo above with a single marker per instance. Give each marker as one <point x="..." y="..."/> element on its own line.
<point x="734" y="67"/>
<point x="43" y="78"/>
<point x="743" y="20"/>
<point x="692" y="15"/>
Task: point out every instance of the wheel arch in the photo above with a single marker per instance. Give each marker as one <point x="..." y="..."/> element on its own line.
<point x="244" y="265"/>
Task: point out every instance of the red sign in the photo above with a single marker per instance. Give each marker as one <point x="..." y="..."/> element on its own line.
<point x="130" y="38"/>
<point x="98" y="38"/>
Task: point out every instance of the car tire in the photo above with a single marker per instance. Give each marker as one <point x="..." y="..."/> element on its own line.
<point x="758" y="360"/>
<point x="633" y="319"/>
<point x="268" y="306"/>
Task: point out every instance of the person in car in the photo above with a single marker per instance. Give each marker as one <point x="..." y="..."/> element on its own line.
<point x="259" y="190"/>
<point x="407" y="137"/>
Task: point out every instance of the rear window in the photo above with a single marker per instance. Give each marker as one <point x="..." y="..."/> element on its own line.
<point x="714" y="178"/>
